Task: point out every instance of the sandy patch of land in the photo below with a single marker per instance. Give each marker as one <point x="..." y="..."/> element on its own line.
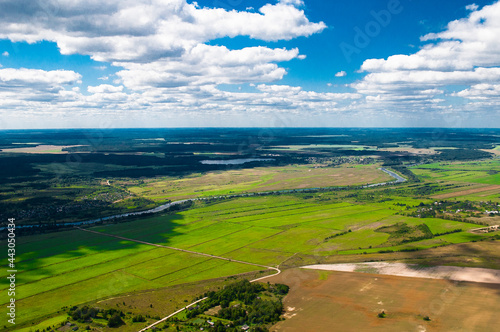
<point x="54" y="149"/>
<point x="494" y="151"/>
<point x="290" y="312"/>
<point x="411" y="150"/>
<point x="456" y="273"/>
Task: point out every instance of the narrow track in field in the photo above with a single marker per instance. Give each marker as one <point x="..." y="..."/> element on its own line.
<point x="398" y="178"/>
<point x="278" y="271"/>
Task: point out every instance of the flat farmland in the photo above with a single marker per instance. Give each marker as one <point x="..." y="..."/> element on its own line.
<point x="479" y="172"/>
<point x="266" y="230"/>
<point x="343" y="301"/>
<point x="73" y="273"/>
<point x="475" y="181"/>
<point x="258" y="179"/>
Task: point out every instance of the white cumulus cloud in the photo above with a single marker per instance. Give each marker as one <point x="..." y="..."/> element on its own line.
<point x="472" y="7"/>
<point x="466" y="53"/>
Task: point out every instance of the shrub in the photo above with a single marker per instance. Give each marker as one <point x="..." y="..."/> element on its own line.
<point x="115" y="321"/>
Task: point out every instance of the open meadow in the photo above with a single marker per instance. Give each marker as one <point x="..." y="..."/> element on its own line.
<point x="479" y="180"/>
<point x="287" y="230"/>
<point x="256" y="180"/>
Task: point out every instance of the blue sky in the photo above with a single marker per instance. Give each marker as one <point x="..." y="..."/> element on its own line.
<point x="172" y="63"/>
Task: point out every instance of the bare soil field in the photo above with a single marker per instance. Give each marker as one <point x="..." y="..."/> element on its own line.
<point x="411" y="150"/>
<point x="54" y="149"/>
<point x="495" y="151"/>
<point x="344" y="301"/>
<point x="416" y="271"/>
<point x="482" y="254"/>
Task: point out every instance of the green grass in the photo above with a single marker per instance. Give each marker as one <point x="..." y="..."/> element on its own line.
<point x="40" y="271"/>
<point x="264" y="230"/>
<point x="255" y="180"/>
<point x="462" y="172"/>
<point x="54" y="321"/>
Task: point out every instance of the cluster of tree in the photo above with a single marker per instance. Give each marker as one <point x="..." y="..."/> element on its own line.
<point x="85" y="314"/>
<point x="251" y="309"/>
<point x="453" y="206"/>
<point x="279" y="289"/>
<point x="336" y="235"/>
<point x="452" y="210"/>
<point x="461" y="154"/>
<point x="388" y="251"/>
<point x="402" y="233"/>
<point x="115" y="320"/>
<point x="242" y="290"/>
<point x="457" y="230"/>
<point x="426" y="189"/>
<point x="138" y="319"/>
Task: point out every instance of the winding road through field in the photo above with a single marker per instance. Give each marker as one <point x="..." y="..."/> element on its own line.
<point x="398" y="178"/>
<point x="278" y="271"/>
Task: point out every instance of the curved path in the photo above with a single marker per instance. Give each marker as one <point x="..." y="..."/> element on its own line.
<point x="398" y="178"/>
<point x="278" y="271"/>
<point x="178" y="249"/>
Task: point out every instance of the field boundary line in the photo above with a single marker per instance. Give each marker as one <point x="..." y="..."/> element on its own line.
<point x="318" y="207"/>
<point x="250" y="210"/>
<point x="87" y="279"/>
<point x="84" y="267"/>
<point x="178" y="249"/>
<point x="220" y="237"/>
<point x="246" y="245"/>
<point x="75" y="258"/>
<point x="278" y="271"/>
<point x="184" y="268"/>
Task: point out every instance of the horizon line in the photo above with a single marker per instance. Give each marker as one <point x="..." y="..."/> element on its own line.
<point x="256" y="127"/>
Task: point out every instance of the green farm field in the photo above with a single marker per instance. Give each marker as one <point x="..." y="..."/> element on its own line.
<point x="474" y="180"/>
<point x="257" y="180"/>
<point x="480" y="172"/>
<point x="285" y="230"/>
<point x="267" y="230"/>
